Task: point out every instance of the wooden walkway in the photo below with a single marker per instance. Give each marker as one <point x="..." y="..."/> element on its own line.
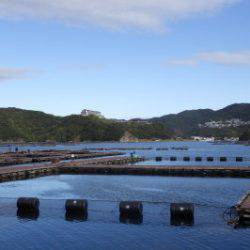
<point x="11" y="158"/>
<point x="25" y="172"/>
<point x="118" y="165"/>
<point x="115" y="160"/>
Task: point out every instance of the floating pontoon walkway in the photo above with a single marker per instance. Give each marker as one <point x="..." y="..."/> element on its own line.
<point x="25" y="172"/>
<point x="119" y="165"/>
<point x="201" y="171"/>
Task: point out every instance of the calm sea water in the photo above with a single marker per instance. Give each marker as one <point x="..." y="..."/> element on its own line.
<point x="103" y="228"/>
<point x="194" y="149"/>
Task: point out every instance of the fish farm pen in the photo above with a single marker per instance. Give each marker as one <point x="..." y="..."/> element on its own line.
<point x="25" y="165"/>
<point x="108" y="163"/>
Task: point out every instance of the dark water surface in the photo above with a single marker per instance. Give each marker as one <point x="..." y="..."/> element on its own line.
<point x="103" y="228"/>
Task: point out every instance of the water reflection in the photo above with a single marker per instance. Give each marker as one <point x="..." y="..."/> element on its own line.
<point x="243" y="223"/>
<point x="27" y="215"/>
<point x="76" y="216"/>
<point x="136" y="220"/>
<point x="182" y="221"/>
<point x="104" y="229"/>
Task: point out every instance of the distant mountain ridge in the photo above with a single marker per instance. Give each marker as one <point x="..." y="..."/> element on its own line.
<point x="187" y="122"/>
<point x="26" y="125"/>
<point x="238" y="110"/>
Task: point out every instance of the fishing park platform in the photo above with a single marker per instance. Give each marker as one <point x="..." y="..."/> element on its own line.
<point x="21" y="172"/>
<point x="118" y="165"/>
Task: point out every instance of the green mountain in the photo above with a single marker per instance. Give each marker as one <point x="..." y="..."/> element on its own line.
<point x="25" y="125"/>
<point x="191" y="122"/>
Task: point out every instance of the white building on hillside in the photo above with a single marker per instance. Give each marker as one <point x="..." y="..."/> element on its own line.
<point x="87" y="112"/>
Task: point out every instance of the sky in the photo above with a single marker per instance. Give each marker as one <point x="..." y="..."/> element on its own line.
<point x="125" y="58"/>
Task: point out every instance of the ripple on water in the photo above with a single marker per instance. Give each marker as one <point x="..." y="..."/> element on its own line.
<point x="103" y="228"/>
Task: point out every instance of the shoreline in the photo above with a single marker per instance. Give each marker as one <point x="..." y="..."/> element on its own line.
<point x="122" y="142"/>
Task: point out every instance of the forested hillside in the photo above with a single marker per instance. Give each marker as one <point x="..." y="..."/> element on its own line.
<point x="18" y="124"/>
<point x="25" y="125"/>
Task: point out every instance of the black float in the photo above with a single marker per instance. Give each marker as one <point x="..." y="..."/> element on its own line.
<point x="131" y="208"/>
<point x="158" y="158"/>
<point x="239" y="159"/>
<point x="182" y="214"/>
<point x="28" y="208"/>
<point x="131" y="212"/>
<point x="198" y="158"/>
<point x="76" y="206"/>
<point x="76" y="210"/>
<point x="223" y="159"/>
<point x="186" y="158"/>
<point x="173" y="158"/>
<point x="210" y="158"/>
<point x="28" y="204"/>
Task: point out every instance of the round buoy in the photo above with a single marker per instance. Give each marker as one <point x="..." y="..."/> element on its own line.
<point x="210" y="159"/>
<point x="158" y="158"/>
<point x="131" y="208"/>
<point x="25" y="203"/>
<point x="186" y="158"/>
<point x="76" y="206"/>
<point x="198" y="158"/>
<point x="173" y="158"/>
<point x="223" y="159"/>
<point x="182" y="210"/>
<point x="239" y="159"/>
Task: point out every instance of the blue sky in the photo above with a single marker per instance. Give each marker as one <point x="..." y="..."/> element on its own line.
<point x="124" y="58"/>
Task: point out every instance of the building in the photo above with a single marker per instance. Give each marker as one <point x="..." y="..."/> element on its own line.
<point x="87" y="112"/>
<point x="200" y="138"/>
<point x="232" y="123"/>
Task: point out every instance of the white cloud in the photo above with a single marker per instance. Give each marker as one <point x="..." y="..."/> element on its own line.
<point x="218" y="57"/>
<point x="83" y="67"/>
<point x="14" y="73"/>
<point x="227" y="58"/>
<point x="112" y="14"/>
<point x="183" y="62"/>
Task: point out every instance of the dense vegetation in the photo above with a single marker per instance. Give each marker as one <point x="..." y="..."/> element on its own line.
<point x="24" y="125"/>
